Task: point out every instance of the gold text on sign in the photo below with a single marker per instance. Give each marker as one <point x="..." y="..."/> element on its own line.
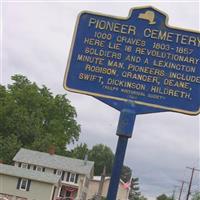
<point x="172" y="37"/>
<point x="112" y="26"/>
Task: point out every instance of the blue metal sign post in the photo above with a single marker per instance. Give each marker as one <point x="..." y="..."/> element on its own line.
<point x="137" y="65"/>
<point x="124" y="131"/>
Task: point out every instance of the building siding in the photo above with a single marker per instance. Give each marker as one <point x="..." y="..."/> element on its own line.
<point x="64" y="164"/>
<point x="122" y="193"/>
<point x="81" y="184"/>
<point x="38" y="190"/>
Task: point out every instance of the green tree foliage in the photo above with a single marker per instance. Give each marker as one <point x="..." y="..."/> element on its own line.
<point x="134" y="193"/>
<point x="79" y="152"/>
<point x="126" y="173"/>
<point x="196" y="196"/>
<point x="163" y="197"/>
<point x="31" y="117"/>
<point x="143" y="198"/>
<point x="102" y="155"/>
<point x="8" y="147"/>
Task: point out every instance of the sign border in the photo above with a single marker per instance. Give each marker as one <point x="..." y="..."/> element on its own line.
<point x="117" y="98"/>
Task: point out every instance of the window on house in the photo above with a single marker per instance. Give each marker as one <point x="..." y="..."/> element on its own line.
<point x="39" y="169"/>
<point x="58" y="172"/>
<point x="76" y="179"/>
<point x="72" y="178"/>
<point x="23" y="184"/>
<point x="68" y="175"/>
<point x="24" y="165"/>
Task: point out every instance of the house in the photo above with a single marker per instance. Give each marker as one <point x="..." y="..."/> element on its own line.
<point x="23" y="184"/>
<point x="97" y="182"/>
<point x="74" y="173"/>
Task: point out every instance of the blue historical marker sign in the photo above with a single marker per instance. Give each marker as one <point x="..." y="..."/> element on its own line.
<point x="139" y="58"/>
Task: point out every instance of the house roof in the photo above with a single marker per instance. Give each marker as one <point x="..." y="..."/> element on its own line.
<point x="54" y="161"/>
<point x="28" y="174"/>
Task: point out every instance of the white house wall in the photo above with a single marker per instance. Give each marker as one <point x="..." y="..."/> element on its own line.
<point x="38" y="190"/>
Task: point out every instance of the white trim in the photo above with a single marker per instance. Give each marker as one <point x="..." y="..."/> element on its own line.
<point x="59" y="190"/>
<point x="52" y="189"/>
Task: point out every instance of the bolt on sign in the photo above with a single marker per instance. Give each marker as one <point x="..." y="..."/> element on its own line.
<point x="139" y="58"/>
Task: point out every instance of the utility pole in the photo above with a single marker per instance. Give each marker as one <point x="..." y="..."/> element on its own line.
<point x="181" y="190"/>
<point x="191" y="178"/>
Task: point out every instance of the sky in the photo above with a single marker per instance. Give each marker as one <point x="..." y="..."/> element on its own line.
<point x="35" y="41"/>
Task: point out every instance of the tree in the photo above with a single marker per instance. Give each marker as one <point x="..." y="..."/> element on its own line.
<point x="79" y="152"/>
<point x="163" y="197"/>
<point x="34" y="118"/>
<point x="143" y="198"/>
<point x="126" y="173"/>
<point x="196" y="196"/>
<point x="8" y="148"/>
<point x="102" y="155"/>
<point x="134" y="193"/>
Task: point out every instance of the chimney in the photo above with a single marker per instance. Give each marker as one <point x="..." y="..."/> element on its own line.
<point x="85" y="159"/>
<point x="52" y="150"/>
